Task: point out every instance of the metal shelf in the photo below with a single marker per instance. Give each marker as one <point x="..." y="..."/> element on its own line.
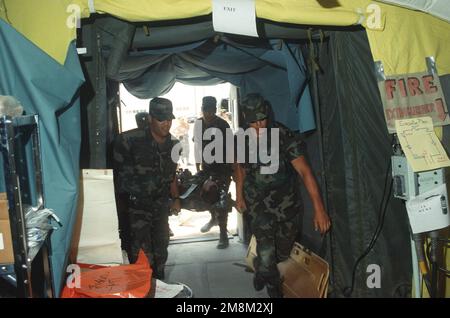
<point x="15" y="160"/>
<point x="24" y="120"/>
<point x="7" y="273"/>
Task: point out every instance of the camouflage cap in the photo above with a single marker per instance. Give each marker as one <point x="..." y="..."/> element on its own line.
<point x="209" y="104"/>
<point x="141" y="119"/>
<point x="254" y="107"/>
<point x="224" y="104"/>
<point x="161" y="109"/>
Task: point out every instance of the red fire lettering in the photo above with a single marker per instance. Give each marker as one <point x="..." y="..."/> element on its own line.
<point x="402" y="86"/>
<point x="413" y="86"/>
<point x="428" y="84"/>
<point x="390" y="88"/>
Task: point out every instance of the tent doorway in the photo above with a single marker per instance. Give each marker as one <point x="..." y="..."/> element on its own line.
<point x="187" y="102"/>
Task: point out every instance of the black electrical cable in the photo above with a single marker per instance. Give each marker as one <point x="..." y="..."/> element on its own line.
<point x="434" y="278"/>
<point x="384" y="201"/>
<point x="428" y="252"/>
<point x="426" y="278"/>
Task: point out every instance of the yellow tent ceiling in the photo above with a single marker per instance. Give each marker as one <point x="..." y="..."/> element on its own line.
<point x="282" y="11"/>
<point x="44" y="22"/>
<point x="407" y="38"/>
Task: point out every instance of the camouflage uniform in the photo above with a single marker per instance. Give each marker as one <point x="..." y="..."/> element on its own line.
<point x="145" y="172"/>
<point x="274" y="204"/>
<point x="220" y="172"/>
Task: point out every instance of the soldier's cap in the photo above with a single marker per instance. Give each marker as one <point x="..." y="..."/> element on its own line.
<point x="161" y="109"/>
<point x="141" y="119"/>
<point x="224" y="104"/>
<point x="254" y="107"/>
<point x="209" y="104"/>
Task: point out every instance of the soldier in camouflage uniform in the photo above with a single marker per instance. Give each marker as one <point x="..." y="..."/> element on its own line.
<point x="220" y="172"/>
<point x="142" y="123"/>
<point x="273" y="200"/>
<point x="146" y="172"/>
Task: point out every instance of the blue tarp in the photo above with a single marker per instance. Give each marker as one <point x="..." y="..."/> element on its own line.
<point x="46" y="88"/>
<point x="276" y="70"/>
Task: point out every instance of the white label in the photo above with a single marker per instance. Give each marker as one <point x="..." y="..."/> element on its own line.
<point x="429" y="211"/>
<point x="235" y="16"/>
<point x="2" y="246"/>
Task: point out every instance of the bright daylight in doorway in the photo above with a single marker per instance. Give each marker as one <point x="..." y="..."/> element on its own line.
<point x="187" y="102"/>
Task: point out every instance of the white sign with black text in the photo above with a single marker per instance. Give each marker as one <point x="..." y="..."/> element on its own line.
<point x="429" y="211"/>
<point x="235" y="16"/>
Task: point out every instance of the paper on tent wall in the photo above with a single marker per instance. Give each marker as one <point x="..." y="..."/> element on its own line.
<point x="99" y="241"/>
<point x="235" y="16"/>
<point x="419" y="142"/>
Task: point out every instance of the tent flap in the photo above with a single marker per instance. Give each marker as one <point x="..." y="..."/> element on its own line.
<point x="357" y="154"/>
<point x="279" y="74"/>
<point x="53" y="98"/>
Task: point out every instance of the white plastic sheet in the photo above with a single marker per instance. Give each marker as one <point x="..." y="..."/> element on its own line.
<point x="99" y="241"/>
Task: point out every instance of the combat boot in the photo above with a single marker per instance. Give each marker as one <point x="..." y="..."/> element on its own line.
<point x="275" y="291"/>
<point x="223" y="239"/>
<point x="258" y="282"/>
<point x="213" y="222"/>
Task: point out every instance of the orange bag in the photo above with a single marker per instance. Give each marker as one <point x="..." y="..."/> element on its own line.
<point x="124" y="281"/>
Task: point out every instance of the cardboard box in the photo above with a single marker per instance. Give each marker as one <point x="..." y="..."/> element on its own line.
<point x="6" y="249"/>
<point x="304" y="274"/>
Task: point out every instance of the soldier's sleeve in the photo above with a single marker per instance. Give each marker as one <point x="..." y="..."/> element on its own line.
<point x="296" y="146"/>
<point x="228" y="152"/>
<point x="239" y="149"/>
<point x="123" y="164"/>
